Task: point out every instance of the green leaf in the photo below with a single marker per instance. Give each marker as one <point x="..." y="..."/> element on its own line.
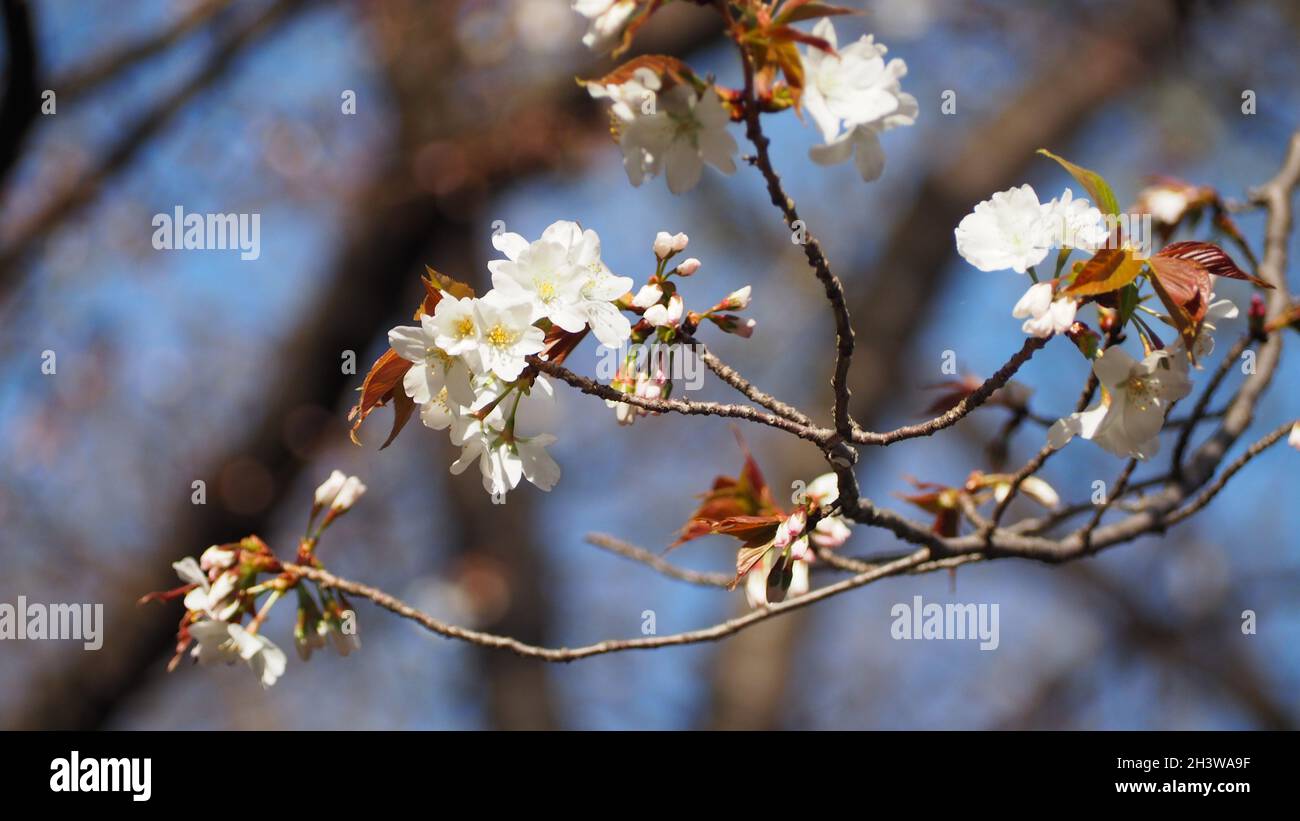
<point x="1093" y="183"/>
<point x="1128" y="302"/>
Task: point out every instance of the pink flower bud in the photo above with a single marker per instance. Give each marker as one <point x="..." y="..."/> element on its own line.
<point x="736" y="301"/>
<point x="689" y="267"/>
<point x="732" y="324"/>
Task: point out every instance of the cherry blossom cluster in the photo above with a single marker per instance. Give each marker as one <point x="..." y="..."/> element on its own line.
<point x="224" y="585"/>
<point x="664" y="321"/>
<point x="466" y="366"/>
<point x="469" y="355"/>
<point x="783" y="566"/>
<point x="1014" y="231"/>
<point x="669" y="121"/>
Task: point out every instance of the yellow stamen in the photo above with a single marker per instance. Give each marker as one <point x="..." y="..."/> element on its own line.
<point x="501" y="336"/>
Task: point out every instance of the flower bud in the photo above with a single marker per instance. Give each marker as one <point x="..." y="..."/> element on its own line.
<point x="663" y="245"/>
<point x="790" y="529"/>
<point x="216" y="558"/>
<point x="736" y="301"/>
<point x="732" y="324"/>
<point x="689" y="267"/>
<point x="647" y="296"/>
<point x="348" y="495"/>
<point x="1085" y="339"/>
<point x="669" y="315"/>
<point x="330" y="488"/>
<point x="1255" y="317"/>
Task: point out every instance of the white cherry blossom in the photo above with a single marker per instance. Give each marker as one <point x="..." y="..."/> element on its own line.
<point x="540" y="275"/>
<point x="629" y="98"/>
<point x="607" y="20"/>
<point x="503" y="462"/>
<point x="685" y="131"/>
<point x="1135" y="398"/>
<point x="853" y="96"/>
<point x="1012" y="229"/>
<point x="1074" y="223"/>
<point x="1046" y="315"/>
<point x="432" y="368"/>
<point x="508" y="337"/>
<point x="599" y="286"/>
<point x="1004" y="231"/>
<point x="455" y="325"/>
<point x="219" y="641"/>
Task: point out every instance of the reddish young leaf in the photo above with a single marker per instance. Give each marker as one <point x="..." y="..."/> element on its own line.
<point x="733" y="505"/>
<point x="787" y="34"/>
<point x="662" y="65"/>
<point x="1181" y="317"/>
<point x="795" y="11"/>
<point x="639" y="20"/>
<point x="1184" y="281"/>
<point x="445" y="284"/>
<point x="382" y="383"/>
<point x="1210" y="257"/>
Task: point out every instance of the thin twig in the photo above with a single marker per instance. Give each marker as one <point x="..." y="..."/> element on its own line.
<point x="968" y="403"/>
<point x="812" y="250"/>
<point x="657" y="563"/>
<point x="564" y="654"/>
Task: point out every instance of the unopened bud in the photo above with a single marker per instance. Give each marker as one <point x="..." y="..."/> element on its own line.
<point x="669" y="315"/>
<point x="663" y="245"/>
<point x="1255" y="316"/>
<point x="1085" y="339"/>
<point x="330" y="488"/>
<point x="732" y="324"/>
<point x="647" y="296"/>
<point x="689" y="267"/>
<point x="348" y="495"/>
<point x="736" y="301"/>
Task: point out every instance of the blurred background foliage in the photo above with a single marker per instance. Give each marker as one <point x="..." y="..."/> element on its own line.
<point x="176" y="367"/>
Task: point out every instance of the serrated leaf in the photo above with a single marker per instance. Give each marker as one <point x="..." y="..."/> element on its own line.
<point x="1109" y="270"/>
<point x="448" y="285"/>
<point x="796" y="11"/>
<point x="382" y="383"/>
<point x="662" y="65"/>
<point x="1095" y="184"/>
<point x="789" y="34"/>
<point x="634" y="25"/>
<point x="1178" y="316"/>
<point x="403" y="408"/>
<point x="1210" y="257"/>
<point x="1185" y="281"/>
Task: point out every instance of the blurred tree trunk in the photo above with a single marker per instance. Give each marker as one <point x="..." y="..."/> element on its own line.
<point x="426" y="205"/>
